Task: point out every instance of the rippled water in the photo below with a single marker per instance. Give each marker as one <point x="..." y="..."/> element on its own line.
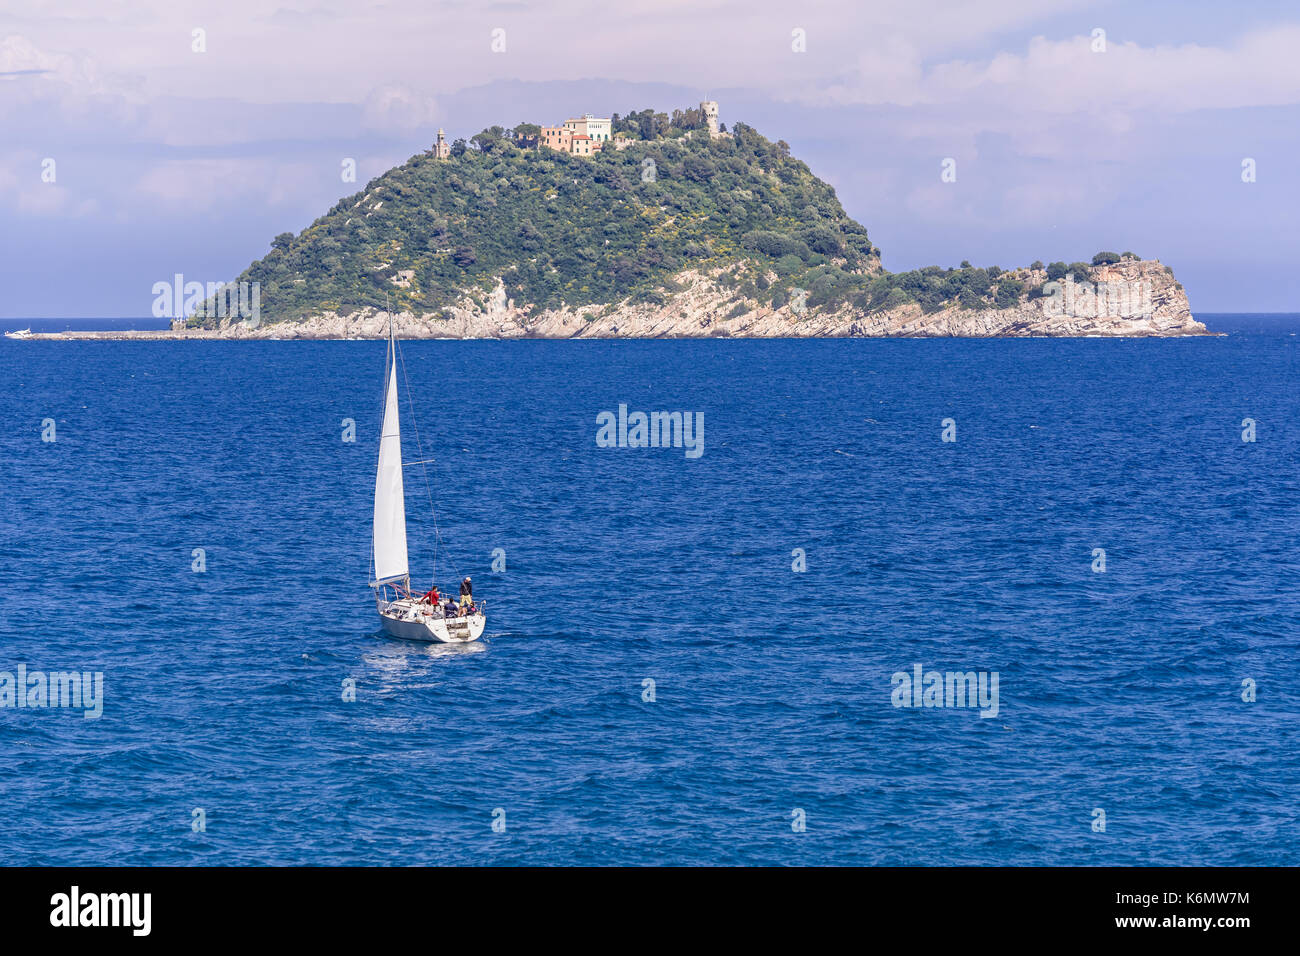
<point x="1118" y="691"/>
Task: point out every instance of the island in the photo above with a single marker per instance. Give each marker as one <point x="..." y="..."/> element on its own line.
<point x="644" y="225"/>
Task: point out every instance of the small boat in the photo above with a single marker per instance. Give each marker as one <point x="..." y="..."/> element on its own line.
<point x="19" y="334"/>
<point x="403" y="613"/>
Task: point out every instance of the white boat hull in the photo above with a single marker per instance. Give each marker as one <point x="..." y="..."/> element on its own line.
<point x="411" y="624"/>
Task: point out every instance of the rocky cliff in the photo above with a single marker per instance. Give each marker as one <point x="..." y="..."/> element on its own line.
<point x="1129" y="298"/>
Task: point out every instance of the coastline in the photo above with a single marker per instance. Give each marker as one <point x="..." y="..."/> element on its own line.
<point x="208" y="335"/>
<point x="703" y="308"/>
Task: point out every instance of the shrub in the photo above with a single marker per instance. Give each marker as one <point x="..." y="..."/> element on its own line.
<point x="775" y="244"/>
<point x="1009" y="291"/>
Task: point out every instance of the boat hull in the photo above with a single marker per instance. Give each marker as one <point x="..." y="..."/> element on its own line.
<point x="431" y="630"/>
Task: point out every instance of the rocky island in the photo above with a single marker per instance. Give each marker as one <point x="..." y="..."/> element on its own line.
<point x="646" y="225"/>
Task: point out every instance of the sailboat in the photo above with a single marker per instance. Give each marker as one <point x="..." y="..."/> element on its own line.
<point x="404" y="614"/>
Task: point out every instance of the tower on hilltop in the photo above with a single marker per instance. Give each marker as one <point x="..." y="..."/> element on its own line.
<point x="710" y="108"/>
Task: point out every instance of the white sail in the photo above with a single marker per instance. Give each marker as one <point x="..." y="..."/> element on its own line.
<point x="390" y="505"/>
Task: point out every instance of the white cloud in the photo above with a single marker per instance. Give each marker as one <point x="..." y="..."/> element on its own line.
<point x="396" y="58"/>
<point x="24" y="190"/>
<point x="1062" y="76"/>
<point x="202" y="185"/>
<point x="1044" y="130"/>
<point x="397" y="108"/>
<point x="48" y="200"/>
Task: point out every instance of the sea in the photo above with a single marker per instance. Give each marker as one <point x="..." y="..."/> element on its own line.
<point x="754" y="655"/>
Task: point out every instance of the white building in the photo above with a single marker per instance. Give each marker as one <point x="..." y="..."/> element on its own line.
<point x="599" y="129"/>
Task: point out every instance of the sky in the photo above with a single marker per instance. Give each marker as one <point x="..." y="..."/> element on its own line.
<point x="144" y="138"/>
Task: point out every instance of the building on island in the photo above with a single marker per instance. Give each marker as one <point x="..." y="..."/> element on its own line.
<point x="441" y="149"/>
<point x="558" y="138"/>
<point x="588" y="125"/>
<point x="583" y="136"/>
<point x="587" y="135"/>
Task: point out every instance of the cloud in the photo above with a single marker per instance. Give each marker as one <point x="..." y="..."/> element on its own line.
<point x="397" y="108"/>
<point x="25" y="190"/>
<point x="202" y="185"/>
<point x="397" y="59"/>
<point x="49" y="200"/>
<point x="19" y="56"/>
<point x="245" y="140"/>
<point x="1068" y="75"/>
<point x="49" y="96"/>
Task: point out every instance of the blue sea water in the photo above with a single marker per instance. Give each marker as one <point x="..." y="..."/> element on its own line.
<point x="224" y="689"/>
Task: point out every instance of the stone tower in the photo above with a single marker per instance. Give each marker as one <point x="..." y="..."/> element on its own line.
<point x="710" y="108"/>
<point x="441" y="149"/>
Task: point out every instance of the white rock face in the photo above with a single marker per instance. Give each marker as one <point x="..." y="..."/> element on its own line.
<point x="1130" y="298"/>
<point x="1150" y="304"/>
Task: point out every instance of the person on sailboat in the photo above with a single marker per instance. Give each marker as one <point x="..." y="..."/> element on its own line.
<point x="466" y="592"/>
<point x="431" y="596"/>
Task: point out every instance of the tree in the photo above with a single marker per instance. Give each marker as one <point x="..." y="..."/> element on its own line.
<point x="689" y="119"/>
<point x="824" y="240"/>
<point x="282" y="242"/>
<point x="698" y="169"/>
<point x="1105" y="258"/>
<point x="489" y="140"/>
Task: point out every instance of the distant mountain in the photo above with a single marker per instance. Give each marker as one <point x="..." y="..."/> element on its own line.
<point x="674" y="232"/>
